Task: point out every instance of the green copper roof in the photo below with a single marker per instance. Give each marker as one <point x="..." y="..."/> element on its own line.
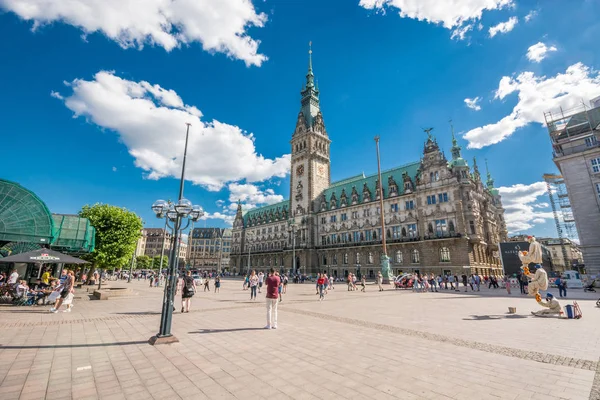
<point x="459" y="162"/>
<point x="359" y="181"/>
<point x="264" y="212"/>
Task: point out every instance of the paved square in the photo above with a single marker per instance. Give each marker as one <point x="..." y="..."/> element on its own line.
<point x="353" y="345"/>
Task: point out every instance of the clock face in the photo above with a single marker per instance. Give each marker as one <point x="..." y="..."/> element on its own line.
<point x="300" y="170"/>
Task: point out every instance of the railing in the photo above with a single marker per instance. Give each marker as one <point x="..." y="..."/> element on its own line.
<point x="567" y="151"/>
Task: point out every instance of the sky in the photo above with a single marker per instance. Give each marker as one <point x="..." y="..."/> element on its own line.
<point x="95" y="94"/>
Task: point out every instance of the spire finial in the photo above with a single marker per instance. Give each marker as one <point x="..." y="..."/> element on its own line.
<point x="452" y="130"/>
<point x="490" y="181"/>
<point x="309" y="76"/>
<point x="310" y="57"/>
<point x="428" y="131"/>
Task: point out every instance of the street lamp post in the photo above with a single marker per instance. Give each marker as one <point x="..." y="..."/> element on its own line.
<point x="385" y="261"/>
<point x="248" y="236"/>
<point x="174" y="213"/>
<point x="292" y="231"/>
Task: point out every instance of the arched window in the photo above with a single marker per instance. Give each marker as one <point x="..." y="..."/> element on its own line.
<point x="414" y="256"/>
<point x="403" y="232"/>
<point x="374" y="235"/>
<point x="370" y="258"/>
<point x="398" y="257"/>
<point x="431" y="176"/>
<point x="437" y="176"/>
<point x="358" y="258"/>
<point x="444" y="254"/>
<point x="430" y="228"/>
<point x="345" y="258"/>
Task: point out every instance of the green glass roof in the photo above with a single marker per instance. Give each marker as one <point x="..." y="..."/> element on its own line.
<point x="73" y="233"/>
<point x="360" y="180"/>
<point x="24" y="217"/>
<point x="264" y="212"/>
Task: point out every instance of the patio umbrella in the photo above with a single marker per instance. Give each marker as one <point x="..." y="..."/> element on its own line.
<point x="43" y="256"/>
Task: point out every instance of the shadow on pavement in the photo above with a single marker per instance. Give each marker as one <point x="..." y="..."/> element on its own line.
<point x="68" y="346"/>
<point x="492" y="317"/>
<point x="140" y="313"/>
<point x="201" y="331"/>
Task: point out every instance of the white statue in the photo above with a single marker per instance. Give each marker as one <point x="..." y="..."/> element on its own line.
<point x="539" y="281"/>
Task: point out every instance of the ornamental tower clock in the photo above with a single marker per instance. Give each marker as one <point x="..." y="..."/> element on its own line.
<point x="310" y="150"/>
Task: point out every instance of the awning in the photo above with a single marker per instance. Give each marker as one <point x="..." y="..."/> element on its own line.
<point x="43" y="256"/>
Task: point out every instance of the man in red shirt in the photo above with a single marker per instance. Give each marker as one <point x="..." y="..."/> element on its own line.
<point x="272" y="295"/>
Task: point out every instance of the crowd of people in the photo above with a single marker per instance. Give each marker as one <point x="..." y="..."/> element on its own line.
<point x="47" y="290"/>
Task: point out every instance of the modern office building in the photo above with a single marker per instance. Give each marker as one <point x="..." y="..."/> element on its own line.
<point x="575" y="137"/>
<point x="209" y="249"/>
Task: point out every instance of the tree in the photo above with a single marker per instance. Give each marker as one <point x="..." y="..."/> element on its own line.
<point x="117" y="233"/>
<point x="143" y="262"/>
<point x="156" y="264"/>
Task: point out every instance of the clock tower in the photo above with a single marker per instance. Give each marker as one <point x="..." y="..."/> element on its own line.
<point x="310" y="174"/>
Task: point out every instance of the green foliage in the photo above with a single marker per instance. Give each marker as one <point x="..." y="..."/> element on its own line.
<point x="157" y="262"/>
<point x="143" y="262"/>
<point x="117" y="233"/>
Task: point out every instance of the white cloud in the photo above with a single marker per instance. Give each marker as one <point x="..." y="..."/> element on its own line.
<point x="473" y="103"/>
<point x="461" y="32"/>
<point x="539" y="51"/>
<point x="228" y="219"/>
<point x="56" y="95"/>
<point x="150" y="121"/>
<point x="114" y="169"/>
<point x="219" y="25"/>
<point x="519" y="202"/>
<point x="542" y="205"/>
<point x="450" y="13"/>
<point x="251" y="195"/>
<point x="504" y="27"/>
<point x="532" y="14"/>
<point x="536" y="94"/>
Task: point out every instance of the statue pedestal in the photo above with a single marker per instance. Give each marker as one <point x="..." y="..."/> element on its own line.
<point x="385" y="270"/>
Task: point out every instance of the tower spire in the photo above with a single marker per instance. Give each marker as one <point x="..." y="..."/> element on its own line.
<point x="490" y="181"/>
<point x="476" y="174"/>
<point x="310" y="76"/>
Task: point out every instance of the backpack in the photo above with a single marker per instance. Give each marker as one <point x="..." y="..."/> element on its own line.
<point x="188" y="284"/>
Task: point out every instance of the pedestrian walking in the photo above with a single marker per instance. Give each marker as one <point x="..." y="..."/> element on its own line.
<point x="253" y="284"/>
<point x="349" y="282"/>
<point x="217" y="284"/>
<point x="363" y="283"/>
<point x="380" y="281"/>
<point x="285" y="283"/>
<point x="280" y="287"/>
<point x="457" y="282"/>
<point x="450" y="280"/>
<point x="66" y="288"/>
<point x="506" y="283"/>
<point x="261" y="278"/>
<point x="477" y="281"/>
<point x="321" y="286"/>
<point x="188" y="289"/>
<point x="273" y="282"/>
<point x="562" y="287"/>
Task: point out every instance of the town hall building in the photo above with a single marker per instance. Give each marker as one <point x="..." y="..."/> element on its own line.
<point x="440" y="217"/>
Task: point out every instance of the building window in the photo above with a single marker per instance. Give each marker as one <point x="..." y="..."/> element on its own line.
<point x="440" y="227"/>
<point x="358" y="258"/>
<point x="354" y="214"/>
<point x="334" y="259"/>
<point x="394" y="207"/>
<point x="451" y="226"/>
<point x="444" y="254"/>
<point x="323" y="220"/>
<point x="410" y="205"/>
<point x="443" y="197"/>
<point x="398" y="257"/>
<point x="591" y="141"/>
<point x="366" y="213"/>
<point x="333" y="218"/>
<point x="368" y="235"/>
<point x="370" y="258"/>
<point x="596" y="165"/>
<point x="463" y="174"/>
<point x="344" y="217"/>
<point x="356" y="236"/>
<point x="430" y="228"/>
<point x="437" y="176"/>
<point x="414" y="256"/>
<point x="431" y="199"/>
<point x="345" y="258"/>
<point x="598" y="189"/>
<point x="472" y="227"/>
<point x="323" y="240"/>
<point x="412" y="230"/>
<point x="396" y="232"/>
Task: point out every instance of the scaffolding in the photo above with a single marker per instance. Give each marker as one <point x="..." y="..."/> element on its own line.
<point x="566" y="126"/>
<point x="562" y="211"/>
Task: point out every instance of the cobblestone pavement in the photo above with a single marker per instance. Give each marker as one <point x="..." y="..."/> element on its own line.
<point x="353" y="345"/>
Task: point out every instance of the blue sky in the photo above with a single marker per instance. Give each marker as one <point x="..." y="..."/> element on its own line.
<point x="94" y="99"/>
